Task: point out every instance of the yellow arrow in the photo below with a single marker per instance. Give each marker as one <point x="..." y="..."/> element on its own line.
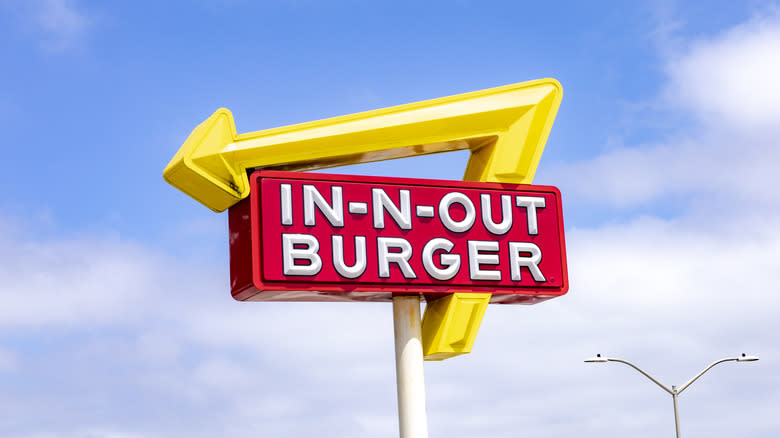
<point x="505" y="128"/>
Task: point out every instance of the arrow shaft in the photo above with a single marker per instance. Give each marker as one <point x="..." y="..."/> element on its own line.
<point x="382" y="134"/>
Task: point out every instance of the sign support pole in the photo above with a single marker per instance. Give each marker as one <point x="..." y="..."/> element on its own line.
<point x="412" y="418"/>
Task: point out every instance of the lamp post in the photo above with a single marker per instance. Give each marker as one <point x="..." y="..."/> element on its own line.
<point x="673" y="390"/>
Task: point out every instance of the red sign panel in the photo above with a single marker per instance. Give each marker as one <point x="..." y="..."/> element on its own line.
<point x="317" y="237"/>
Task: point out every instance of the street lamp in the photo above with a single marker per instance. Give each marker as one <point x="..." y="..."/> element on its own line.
<point x="674" y="391"/>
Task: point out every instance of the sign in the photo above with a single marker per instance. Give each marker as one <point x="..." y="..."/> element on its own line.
<point x="458" y="265"/>
<point x="317" y="237"/>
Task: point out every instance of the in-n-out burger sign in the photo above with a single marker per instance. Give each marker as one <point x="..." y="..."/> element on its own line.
<point x="304" y="237"/>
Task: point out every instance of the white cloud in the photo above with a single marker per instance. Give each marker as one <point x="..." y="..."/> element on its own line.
<point x="84" y="282"/>
<point x="711" y="162"/>
<point x="732" y="78"/>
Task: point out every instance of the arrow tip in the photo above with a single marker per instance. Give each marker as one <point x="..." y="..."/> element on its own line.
<point x="198" y="170"/>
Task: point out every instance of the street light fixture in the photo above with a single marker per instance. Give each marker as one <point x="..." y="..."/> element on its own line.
<point x="596" y="358"/>
<point x="673" y="390"/>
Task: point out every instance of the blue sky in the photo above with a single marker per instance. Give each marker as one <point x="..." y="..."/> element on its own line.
<point x="115" y="314"/>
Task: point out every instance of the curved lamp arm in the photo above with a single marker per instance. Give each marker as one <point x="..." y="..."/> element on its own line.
<point x="664" y="387"/>
<point x="674" y="391"/>
<point x="688" y="383"/>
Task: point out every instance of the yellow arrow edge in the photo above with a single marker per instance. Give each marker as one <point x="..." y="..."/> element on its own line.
<point x="505" y="128"/>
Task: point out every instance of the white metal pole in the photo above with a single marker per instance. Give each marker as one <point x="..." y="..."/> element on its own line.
<point x="412" y="418"/>
<point x="676" y="415"/>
